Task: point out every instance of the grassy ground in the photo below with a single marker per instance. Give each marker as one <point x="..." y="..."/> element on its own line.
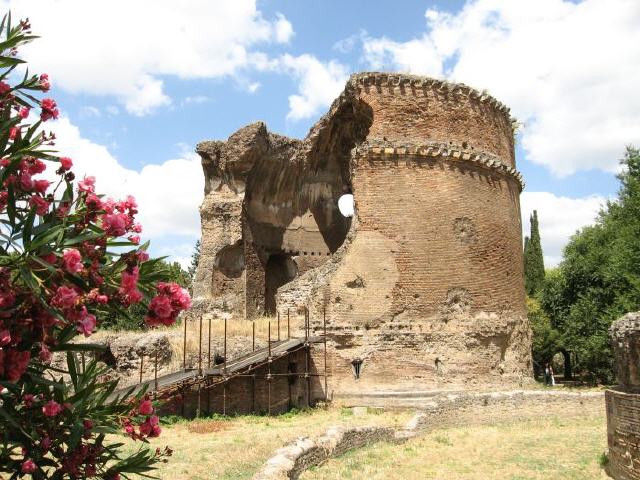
<point x="234" y="449"/>
<point x="545" y="448"/>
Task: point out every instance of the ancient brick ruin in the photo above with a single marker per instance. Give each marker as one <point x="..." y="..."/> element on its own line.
<point x="623" y="402"/>
<point x="423" y="287"/>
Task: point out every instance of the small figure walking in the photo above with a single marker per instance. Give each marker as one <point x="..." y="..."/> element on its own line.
<point x="547" y="376"/>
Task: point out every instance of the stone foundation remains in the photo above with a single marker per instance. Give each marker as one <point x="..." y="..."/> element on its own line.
<point x="423" y="287"/>
<point x="468" y="409"/>
<point x="623" y="402"/>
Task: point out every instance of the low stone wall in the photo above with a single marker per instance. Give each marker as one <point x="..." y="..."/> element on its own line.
<point x="290" y="461"/>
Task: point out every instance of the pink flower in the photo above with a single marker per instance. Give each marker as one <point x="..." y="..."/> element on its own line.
<point x="40" y="204"/>
<point x="51" y="408"/>
<point x="26" y="182"/>
<point x="7" y="299"/>
<point x="93" y="202"/>
<point x="28" y="466"/>
<point x="72" y="260"/>
<point x="142" y="256"/>
<point x="28" y="399"/>
<point x="65" y="297"/>
<point x="41" y="186"/>
<point x="87" y="185"/>
<point x="135" y="239"/>
<point x="87" y="325"/>
<point x="15" y="364"/>
<point x="4" y="88"/>
<point x="137" y="228"/>
<point x="24" y="112"/>
<point x="5" y="337"/>
<point x="45" y="354"/>
<point x="115" y="224"/>
<point x="161" y="306"/>
<point x="45" y="443"/>
<point x="44" y="82"/>
<point x="66" y="163"/>
<point x="13" y="133"/>
<point x="146" y="407"/>
<point x="49" y="109"/>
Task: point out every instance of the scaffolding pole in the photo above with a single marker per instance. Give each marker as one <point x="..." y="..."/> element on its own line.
<point x="278" y="325"/>
<point x="200" y="350"/>
<point x="269" y="371"/>
<point x="324" y="327"/>
<point x="141" y="362"/>
<point x="155" y="372"/>
<point x="288" y="326"/>
<point x="306" y="357"/>
<point x="184" y="345"/>
<point x="209" y="339"/>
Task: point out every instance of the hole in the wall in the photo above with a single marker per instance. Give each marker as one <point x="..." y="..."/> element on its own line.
<point x="346" y="205"/>
<point x="230" y="260"/>
<point x="356" y="366"/>
<point x="280" y="269"/>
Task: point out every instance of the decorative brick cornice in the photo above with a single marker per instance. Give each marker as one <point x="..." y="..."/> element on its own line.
<point x="400" y="80"/>
<point x="450" y="152"/>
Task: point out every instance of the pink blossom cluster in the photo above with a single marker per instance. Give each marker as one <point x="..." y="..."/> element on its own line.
<point x="148" y="427"/>
<point x="165" y="307"/>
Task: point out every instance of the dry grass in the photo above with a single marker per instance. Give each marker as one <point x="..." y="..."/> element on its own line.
<point x="545" y="448"/>
<point x="245" y="443"/>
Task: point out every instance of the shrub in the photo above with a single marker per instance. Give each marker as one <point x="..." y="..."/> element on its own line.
<point x="69" y="258"/>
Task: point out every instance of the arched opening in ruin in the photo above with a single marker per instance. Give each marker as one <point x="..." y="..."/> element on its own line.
<point x="346" y="205"/>
<point x="562" y="364"/>
<point x="230" y="260"/>
<point x="279" y="270"/>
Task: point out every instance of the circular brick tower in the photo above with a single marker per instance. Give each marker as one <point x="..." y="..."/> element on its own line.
<point x="423" y="289"/>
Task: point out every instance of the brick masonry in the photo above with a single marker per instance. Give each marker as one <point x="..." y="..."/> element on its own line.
<point x="623" y="402"/>
<point x="424" y="285"/>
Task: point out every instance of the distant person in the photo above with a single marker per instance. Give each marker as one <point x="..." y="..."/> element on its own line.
<point x="553" y="380"/>
<point x="547" y="372"/>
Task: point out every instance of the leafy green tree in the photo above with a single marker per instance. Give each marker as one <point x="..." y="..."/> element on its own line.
<point x="195" y="258"/>
<point x="547" y="340"/>
<point x="533" y="258"/>
<point x="598" y="279"/>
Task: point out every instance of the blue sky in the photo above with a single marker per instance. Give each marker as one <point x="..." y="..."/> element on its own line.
<point x="140" y="83"/>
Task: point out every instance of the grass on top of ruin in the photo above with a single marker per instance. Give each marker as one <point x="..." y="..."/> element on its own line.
<point x="234" y="448"/>
<point x="546" y="448"/>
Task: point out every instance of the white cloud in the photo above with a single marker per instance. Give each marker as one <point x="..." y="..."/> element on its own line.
<point x="122" y="48"/>
<point x="568" y="70"/>
<point x="559" y="218"/>
<point x="318" y="83"/>
<point x="283" y="29"/>
<point x="152" y="186"/>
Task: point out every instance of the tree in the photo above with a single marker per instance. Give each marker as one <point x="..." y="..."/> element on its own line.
<point x="69" y="257"/>
<point x="195" y="258"/>
<point x="533" y="258"/>
<point x="598" y="279"/>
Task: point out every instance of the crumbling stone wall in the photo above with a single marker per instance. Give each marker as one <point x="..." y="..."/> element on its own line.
<point x="623" y="402"/>
<point x="424" y="285"/>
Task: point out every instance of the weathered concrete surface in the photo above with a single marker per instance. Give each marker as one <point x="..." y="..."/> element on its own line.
<point x="424" y="285"/>
<point x="623" y="402"/>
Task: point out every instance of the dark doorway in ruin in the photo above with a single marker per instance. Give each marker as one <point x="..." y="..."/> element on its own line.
<point x="280" y="269"/>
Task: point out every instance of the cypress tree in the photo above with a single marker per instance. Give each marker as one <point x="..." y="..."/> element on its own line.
<point x="533" y="258"/>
